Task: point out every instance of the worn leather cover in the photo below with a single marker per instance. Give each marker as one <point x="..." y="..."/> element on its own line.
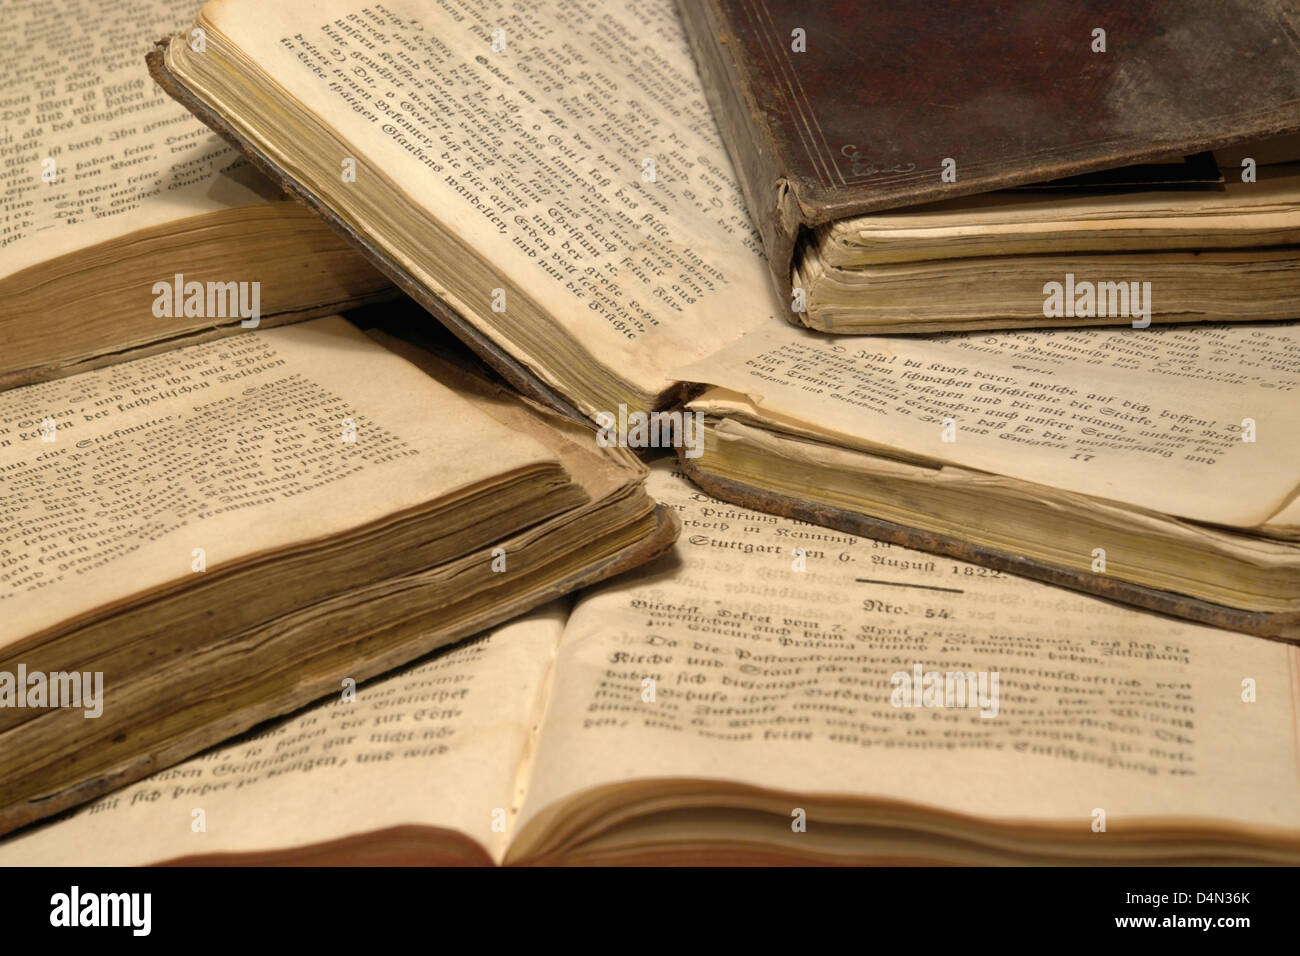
<point x="513" y="371"/>
<point x="1281" y="627"/>
<point x="863" y="119"/>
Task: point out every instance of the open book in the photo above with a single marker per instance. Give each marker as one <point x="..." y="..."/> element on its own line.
<point x="198" y="541"/>
<point x="843" y="119"/>
<point x="1157" y="466"/>
<point x="546" y="181"/>
<point x="125" y="224"/>
<point x="751" y="697"/>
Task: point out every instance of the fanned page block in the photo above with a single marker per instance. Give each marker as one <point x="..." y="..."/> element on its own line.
<point x="1094" y="459"/>
<point x="108" y="188"/>
<point x="201" y="540"/>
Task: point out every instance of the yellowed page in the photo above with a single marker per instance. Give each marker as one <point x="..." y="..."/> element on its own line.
<point x="1288" y="516"/>
<point x="437" y="743"/>
<point x="1157" y="418"/>
<point x="125" y="155"/>
<point x="580" y="158"/>
<point x="783" y="679"/>
<point x="231" y="448"/>
<point x="1264" y="212"/>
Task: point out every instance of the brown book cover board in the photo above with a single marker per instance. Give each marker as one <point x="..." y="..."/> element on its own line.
<point x="862" y="118"/>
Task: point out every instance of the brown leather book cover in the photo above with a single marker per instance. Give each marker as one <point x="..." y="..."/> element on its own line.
<point x="831" y="109"/>
<point x="1277" y="626"/>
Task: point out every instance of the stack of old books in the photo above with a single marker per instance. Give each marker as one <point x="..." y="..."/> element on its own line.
<point x="966" y="337"/>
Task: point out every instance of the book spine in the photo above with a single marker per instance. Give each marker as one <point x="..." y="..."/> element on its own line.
<point x="769" y="196"/>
